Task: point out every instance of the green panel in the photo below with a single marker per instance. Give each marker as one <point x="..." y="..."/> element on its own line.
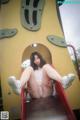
<point x="60" y="2"/>
<point x="56" y="40"/>
<point x="4" y="33"/>
<point x="31" y="13"/>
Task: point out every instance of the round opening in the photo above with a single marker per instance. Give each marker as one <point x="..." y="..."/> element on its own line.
<point x="42" y="49"/>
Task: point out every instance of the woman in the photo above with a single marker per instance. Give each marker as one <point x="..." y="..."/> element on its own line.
<point x="37" y="78"/>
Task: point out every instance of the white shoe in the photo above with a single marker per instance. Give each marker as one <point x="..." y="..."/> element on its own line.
<point x="14" y="84"/>
<point x="67" y="80"/>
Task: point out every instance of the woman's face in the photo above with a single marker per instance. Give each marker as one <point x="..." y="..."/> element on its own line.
<point x="36" y="60"/>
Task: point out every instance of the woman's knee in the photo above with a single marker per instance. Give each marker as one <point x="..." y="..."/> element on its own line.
<point x="29" y="69"/>
<point x="46" y="67"/>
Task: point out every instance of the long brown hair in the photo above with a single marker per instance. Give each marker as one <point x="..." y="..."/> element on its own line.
<point x="32" y="58"/>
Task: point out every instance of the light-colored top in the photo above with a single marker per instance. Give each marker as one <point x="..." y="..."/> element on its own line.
<point x="38" y="76"/>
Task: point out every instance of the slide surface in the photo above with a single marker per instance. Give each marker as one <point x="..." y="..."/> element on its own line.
<point x="50" y="108"/>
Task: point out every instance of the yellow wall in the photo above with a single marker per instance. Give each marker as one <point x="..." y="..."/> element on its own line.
<point x="11" y="50"/>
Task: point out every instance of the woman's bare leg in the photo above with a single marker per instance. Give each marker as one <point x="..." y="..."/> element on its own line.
<point x="27" y="75"/>
<point x="53" y="74"/>
<point x="16" y="85"/>
<point x="34" y="89"/>
<point x="47" y="86"/>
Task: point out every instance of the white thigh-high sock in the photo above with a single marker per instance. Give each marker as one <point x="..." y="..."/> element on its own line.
<point x="67" y="80"/>
<point x="15" y="84"/>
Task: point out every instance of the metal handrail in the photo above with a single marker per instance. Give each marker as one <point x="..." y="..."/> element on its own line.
<point x="77" y="64"/>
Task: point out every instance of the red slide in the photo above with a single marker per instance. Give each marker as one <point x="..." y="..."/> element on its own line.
<point x="50" y="108"/>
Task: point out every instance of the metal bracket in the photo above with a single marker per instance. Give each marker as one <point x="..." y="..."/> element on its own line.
<point x="5" y="33"/>
<point x="58" y="41"/>
<point x="31" y="13"/>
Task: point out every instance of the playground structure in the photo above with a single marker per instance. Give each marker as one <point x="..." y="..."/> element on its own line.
<point x="14" y="50"/>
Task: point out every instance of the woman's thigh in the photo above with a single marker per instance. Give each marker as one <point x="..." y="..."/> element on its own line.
<point x="34" y="87"/>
